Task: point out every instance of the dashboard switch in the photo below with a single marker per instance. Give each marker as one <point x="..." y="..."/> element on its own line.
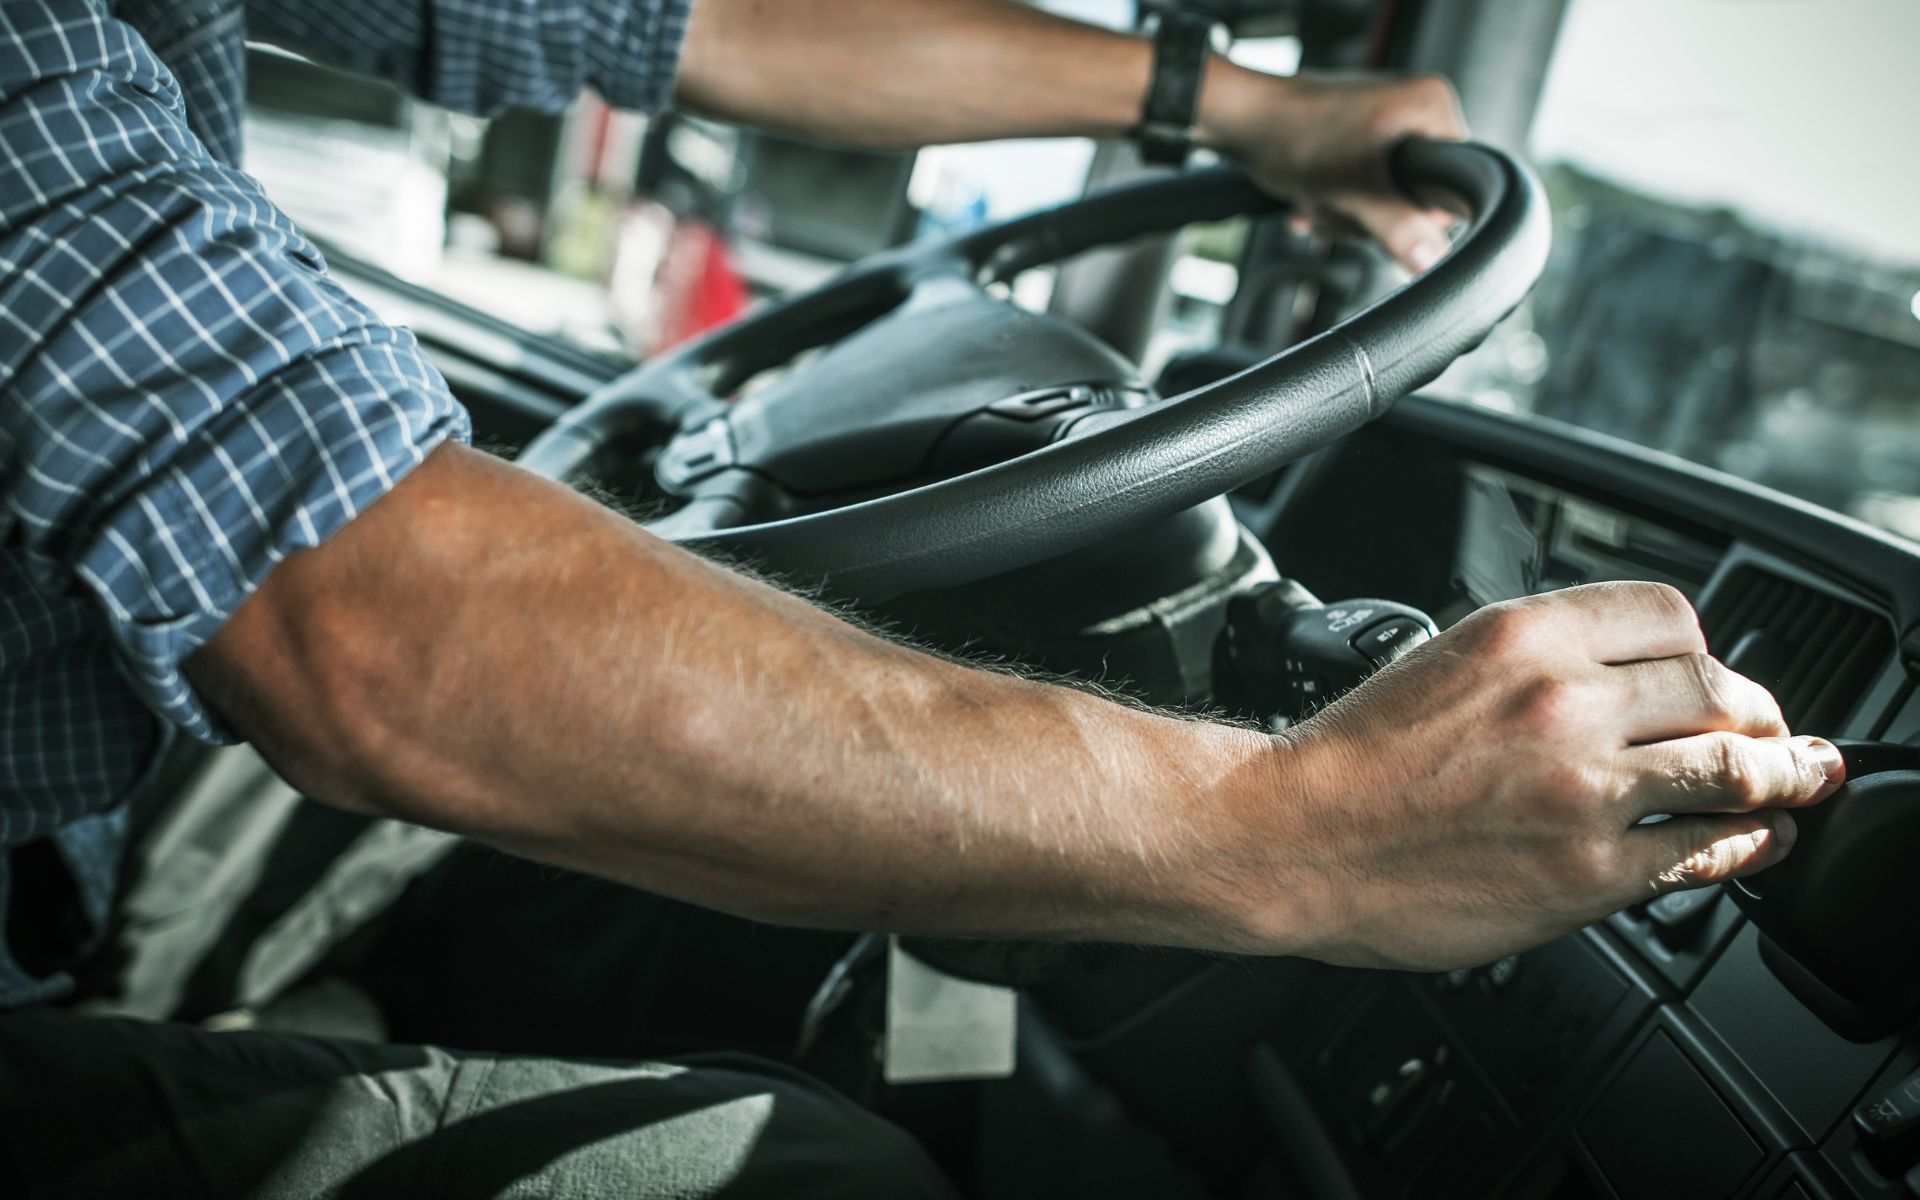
<point x="1894" y="1112"/>
<point x="1282" y="655"/>
<point x="1500" y="974"/>
<point x="1309" y="691"/>
<point x="1031" y="406"/>
<point x="1384" y="641"/>
<point x="1396" y="1099"/>
<point x="692" y="456"/>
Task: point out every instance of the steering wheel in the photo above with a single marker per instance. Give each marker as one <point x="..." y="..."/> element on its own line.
<point x="940" y="434"/>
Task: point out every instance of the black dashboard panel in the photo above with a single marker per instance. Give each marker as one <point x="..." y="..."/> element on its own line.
<point x="1656" y="1054"/>
<point x="1659" y="1053"/>
<point x="1680" y="496"/>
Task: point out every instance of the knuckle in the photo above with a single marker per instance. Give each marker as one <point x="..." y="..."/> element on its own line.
<point x="1509" y="629"/>
<point x="1568" y="792"/>
<point x="1686" y="872"/>
<point x="1671" y="599"/>
<point x="1720" y="858"/>
<point x="1737" y="698"/>
<point x="1549" y="704"/>
<point x="1432" y="87"/>
<point x="1672" y="607"/>
<point x="1716" y="860"/>
<point x="1588" y="865"/>
<point x="1735" y="772"/>
<point x="1711" y="685"/>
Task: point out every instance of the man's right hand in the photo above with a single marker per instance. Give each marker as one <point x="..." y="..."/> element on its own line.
<point x="1485" y="793"/>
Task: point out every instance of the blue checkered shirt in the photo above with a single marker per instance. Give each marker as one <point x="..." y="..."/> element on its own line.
<point x="185" y="397"/>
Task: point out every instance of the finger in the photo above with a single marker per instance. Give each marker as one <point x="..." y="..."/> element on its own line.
<point x="1689" y="852"/>
<point x="1724" y="772"/>
<point x="1687" y="694"/>
<point x="1612" y="622"/>
<point x="1415" y="237"/>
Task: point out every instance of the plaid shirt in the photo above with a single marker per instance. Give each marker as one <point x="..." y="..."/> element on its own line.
<point x="185" y="397"/>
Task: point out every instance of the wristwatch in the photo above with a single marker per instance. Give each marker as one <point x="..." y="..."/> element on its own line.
<point x="1181" y="41"/>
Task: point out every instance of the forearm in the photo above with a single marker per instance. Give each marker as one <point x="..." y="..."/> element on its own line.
<point x="486" y="652"/>
<point x="902" y="73"/>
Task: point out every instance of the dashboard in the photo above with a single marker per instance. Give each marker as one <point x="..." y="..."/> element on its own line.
<point x="1675" y="1049"/>
<point x="1672" y="1050"/>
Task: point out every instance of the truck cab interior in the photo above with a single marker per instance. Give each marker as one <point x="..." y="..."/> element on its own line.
<point x="1149" y="438"/>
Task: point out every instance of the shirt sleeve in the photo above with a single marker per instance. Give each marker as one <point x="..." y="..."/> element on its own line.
<point x="185" y="397"/>
<point x="484" y="56"/>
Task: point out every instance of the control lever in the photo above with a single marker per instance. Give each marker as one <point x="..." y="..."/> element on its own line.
<point x="1877" y="758"/>
<point x="1841" y="914"/>
<point x="1283" y="654"/>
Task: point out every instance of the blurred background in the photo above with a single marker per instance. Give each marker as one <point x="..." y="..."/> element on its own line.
<point x="1735" y="279"/>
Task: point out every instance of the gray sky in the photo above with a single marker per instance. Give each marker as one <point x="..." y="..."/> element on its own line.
<point x="1804" y="115"/>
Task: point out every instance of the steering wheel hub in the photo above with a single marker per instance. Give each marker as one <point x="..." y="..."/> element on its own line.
<point x="890" y="405"/>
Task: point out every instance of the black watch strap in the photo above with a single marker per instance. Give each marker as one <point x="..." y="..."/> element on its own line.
<point x="1180" y="45"/>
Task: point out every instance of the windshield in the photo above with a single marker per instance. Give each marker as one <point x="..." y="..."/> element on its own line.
<point x="1736" y="270"/>
<point x="1735" y="278"/>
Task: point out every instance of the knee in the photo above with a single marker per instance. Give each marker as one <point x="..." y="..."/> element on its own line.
<point x="722" y="1129"/>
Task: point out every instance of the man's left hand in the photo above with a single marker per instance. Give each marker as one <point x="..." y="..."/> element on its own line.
<point x="1323" y="142"/>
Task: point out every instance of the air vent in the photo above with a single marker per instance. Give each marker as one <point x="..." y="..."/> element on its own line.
<point x="1817" y="652"/>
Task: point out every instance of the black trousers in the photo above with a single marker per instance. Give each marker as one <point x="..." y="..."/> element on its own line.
<point x="104" y="1108"/>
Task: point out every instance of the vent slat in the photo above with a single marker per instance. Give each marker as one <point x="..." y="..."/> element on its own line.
<point x="1815" y="643"/>
<point x="1827" y="650"/>
<point x="1798" y="615"/>
<point x="1747" y="604"/>
<point x="1829" y="700"/>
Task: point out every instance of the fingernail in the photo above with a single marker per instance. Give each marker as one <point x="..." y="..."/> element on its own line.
<point x="1833" y="768"/>
<point x="1424" y="254"/>
<point x="1785" y="830"/>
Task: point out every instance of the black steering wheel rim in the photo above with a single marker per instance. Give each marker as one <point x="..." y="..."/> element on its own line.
<point x="1116" y="469"/>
